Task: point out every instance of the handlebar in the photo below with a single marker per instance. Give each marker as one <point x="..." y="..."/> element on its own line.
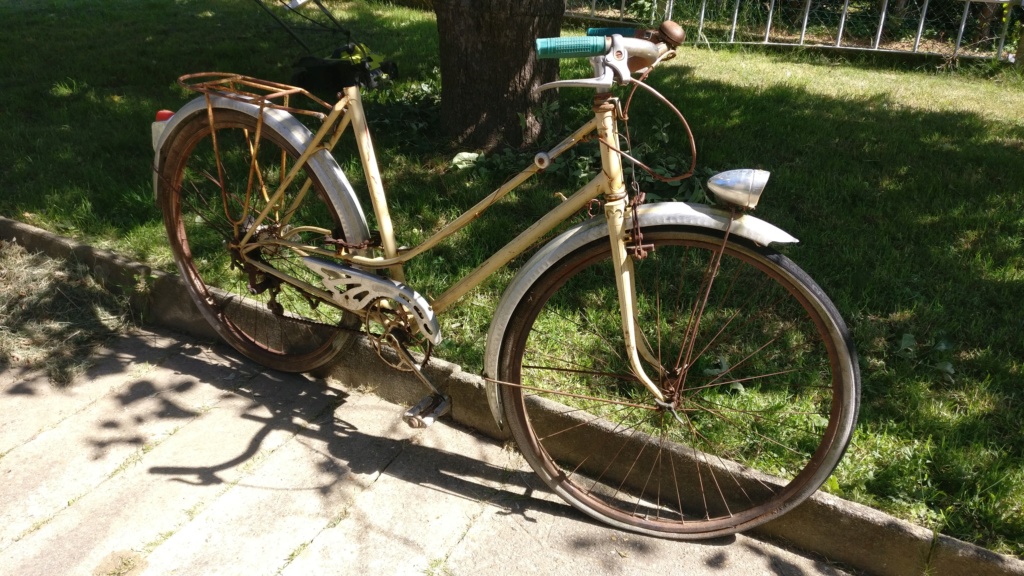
<point x="642" y="53"/>
<point x="616" y="52"/>
<point x="573" y="47"/>
<point x="597" y="42"/>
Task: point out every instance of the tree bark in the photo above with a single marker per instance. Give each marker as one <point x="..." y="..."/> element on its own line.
<point x="489" y="68"/>
<point x="1018" y="58"/>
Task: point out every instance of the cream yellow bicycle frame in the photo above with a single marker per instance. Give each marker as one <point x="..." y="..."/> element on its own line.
<point x="608" y="182"/>
<point x="348" y="112"/>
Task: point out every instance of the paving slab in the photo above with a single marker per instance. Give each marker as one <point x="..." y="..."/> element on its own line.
<point x="23" y="389"/>
<point x="144" y="403"/>
<point x="555" y="536"/>
<point x="417" y="506"/>
<point x="296" y="492"/>
<point x="164" y="484"/>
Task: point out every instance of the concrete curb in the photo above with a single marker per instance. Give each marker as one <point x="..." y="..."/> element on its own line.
<point x="856" y="535"/>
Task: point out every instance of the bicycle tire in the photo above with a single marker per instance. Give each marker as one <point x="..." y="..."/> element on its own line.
<point x="276" y="323"/>
<point x="764" y="414"/>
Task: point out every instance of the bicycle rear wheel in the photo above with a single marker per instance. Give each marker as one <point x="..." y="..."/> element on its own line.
<point x="214" y="184"/>
<point x="759" y="369"/>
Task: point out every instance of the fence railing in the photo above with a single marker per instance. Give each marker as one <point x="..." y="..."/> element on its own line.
<point x="951" y="28"/>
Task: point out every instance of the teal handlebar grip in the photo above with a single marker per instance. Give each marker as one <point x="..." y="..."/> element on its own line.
<point x="624" y="32"/>
<point x="571" y="47"/>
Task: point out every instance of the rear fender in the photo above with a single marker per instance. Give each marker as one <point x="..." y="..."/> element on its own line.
<point x="339" y="191"/>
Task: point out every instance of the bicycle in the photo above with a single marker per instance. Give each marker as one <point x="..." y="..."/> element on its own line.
<point x="659" y="366"/>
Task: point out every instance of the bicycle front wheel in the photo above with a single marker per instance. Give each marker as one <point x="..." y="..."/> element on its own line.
<point x="756" y="365"/>
<point x="216" y="183"/>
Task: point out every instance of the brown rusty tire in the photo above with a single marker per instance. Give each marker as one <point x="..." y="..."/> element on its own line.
<point x="759" y="371"/>
<point x="278" y="324"/>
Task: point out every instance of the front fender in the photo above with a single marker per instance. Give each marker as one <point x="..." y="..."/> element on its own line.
<point x="659" y="214"/>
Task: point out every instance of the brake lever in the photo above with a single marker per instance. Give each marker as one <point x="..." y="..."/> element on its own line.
<point x="603" y="84"/>
<point x="614" y="64"/>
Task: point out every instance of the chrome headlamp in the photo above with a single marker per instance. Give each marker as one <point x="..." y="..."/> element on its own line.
<point x="741" y="188"/>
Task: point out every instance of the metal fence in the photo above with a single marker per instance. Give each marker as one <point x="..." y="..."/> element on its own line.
<point x="951" y="28"/>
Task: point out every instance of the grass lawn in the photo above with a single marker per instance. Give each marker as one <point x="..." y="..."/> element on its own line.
<point x="902" y="180"/>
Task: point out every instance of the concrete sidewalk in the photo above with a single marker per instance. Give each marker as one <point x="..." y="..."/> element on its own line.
<point x="175" y="457"/>
<point x="452" y="502"/>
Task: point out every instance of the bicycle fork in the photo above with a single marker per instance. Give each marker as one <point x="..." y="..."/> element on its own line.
<point x="625" y="282"/>
<point x="606" y="108"/>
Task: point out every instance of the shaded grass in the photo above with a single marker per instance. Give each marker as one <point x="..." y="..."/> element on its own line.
<point x="902" y="182"/>
<point x="903" y="187"/>
<point x="53" y="314"/>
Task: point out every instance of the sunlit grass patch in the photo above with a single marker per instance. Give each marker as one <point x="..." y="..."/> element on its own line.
<point x="902" y="183"/>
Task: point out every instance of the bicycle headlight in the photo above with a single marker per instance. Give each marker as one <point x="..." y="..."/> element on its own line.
<point x="741" y="188"/>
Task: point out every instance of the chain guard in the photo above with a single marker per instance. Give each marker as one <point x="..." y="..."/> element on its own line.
<point x="355" y="290"/>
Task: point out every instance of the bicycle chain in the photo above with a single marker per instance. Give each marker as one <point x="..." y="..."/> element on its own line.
<point x="373" y="241"/>
<point x="399" y="324"/>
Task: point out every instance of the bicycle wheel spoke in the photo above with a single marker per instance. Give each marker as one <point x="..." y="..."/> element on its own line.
<point x="570" y="363"/>
<point x="699" y="304"/>
<point x="747" y="428"/>
<point x="705" y="456"/>
<point x="217" y="184"/>
<point x="581" y="327"/>
<point x="756" y="434"/>
<point x="747" y="321"/>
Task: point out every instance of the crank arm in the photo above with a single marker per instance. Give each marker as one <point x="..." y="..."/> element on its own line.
<point x="405" y="357"/>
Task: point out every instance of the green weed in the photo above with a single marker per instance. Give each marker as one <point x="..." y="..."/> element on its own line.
<point x="900" y="178"/>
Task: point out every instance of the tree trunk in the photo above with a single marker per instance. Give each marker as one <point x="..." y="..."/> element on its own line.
<point x="1018" y="58"/>
<point x="489" y="68"/>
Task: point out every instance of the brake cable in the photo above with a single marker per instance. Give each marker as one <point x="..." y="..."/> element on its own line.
<point x="638" y="249"/>
<point x="625" y="118"/>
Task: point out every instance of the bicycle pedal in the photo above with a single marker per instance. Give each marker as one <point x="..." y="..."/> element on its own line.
<point x="427" y="411"/>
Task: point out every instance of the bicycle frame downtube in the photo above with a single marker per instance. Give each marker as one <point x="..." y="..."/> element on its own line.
<point x="481" y="206"/>
<point x="521" y="243"/>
